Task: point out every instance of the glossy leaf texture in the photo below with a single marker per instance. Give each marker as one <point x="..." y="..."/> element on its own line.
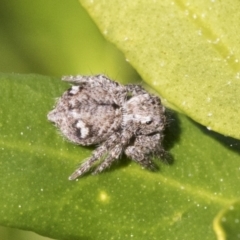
<point x="189" y="51"/>
<point x="181" y="200"/>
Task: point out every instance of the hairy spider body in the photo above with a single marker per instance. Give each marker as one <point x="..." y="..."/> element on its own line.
<point x="118" y="118"/>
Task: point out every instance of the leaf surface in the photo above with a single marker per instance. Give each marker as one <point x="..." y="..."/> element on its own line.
<point x="182" y="199"/>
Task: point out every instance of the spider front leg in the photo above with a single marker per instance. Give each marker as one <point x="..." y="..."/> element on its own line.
<point x="113" y="155"/>
<point x="97" y="155"/>
<point x="143" y="148"/>
<point x="116" y="150"/>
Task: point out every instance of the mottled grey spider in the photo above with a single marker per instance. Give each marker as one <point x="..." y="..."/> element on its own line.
<point x="118" y="118"/>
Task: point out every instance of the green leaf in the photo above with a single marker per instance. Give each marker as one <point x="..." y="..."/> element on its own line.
<point x="56" y="38"/>
<point x="188" y="51"/>
<point x="181" y="199"/>
<point x="227" y="222"/>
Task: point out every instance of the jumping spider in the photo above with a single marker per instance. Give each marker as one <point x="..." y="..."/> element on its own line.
<point x="118" y="118"/>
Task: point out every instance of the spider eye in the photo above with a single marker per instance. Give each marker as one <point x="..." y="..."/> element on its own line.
<point x="149" y="122"/>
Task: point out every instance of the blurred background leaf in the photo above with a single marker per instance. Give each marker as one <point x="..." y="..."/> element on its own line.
<point x="55" y="38"/>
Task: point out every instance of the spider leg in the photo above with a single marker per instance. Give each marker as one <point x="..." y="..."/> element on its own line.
<point x="82" y="169"/>
<point x="135" y="153"/>
<point x="143" y="147"/>
<point x="97" y="155"/>
<point x="112" y="156"/>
